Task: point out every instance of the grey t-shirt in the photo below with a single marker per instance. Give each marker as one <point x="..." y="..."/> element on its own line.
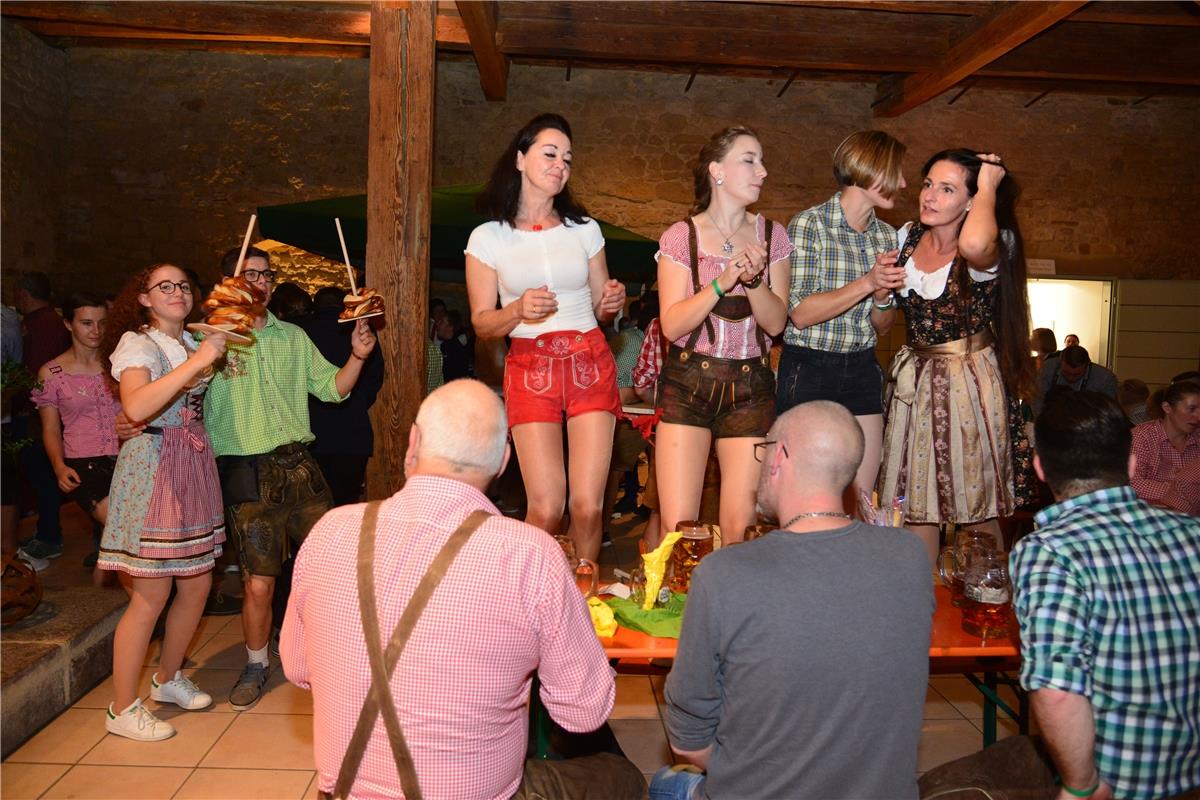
<point x="804" y="659"/>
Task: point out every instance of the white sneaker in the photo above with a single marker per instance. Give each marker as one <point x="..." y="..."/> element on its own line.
<point x="180" y="691"/>
<point x="136" y="722"/>
<point x="36" y="564"/>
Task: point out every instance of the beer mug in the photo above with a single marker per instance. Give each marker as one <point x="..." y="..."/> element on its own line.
<point x="695" y="544"/>
<point x="761" y="529"/>
<point x="987" y="595"/>
<point x="953" y="561"/>
<point x="586" y="571"/>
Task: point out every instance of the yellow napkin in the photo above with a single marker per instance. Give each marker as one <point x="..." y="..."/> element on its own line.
<point x="655" y="565"/>
<point x="602" y="617"/>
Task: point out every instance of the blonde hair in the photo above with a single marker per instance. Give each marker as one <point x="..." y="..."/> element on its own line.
<point x="869" y="158"/>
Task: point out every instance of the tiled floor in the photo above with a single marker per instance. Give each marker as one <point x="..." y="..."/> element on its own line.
<point x="266" y="753"/>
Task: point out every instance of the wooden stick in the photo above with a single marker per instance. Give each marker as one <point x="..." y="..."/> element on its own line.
<point x="245" y="245"/>
<point x="346" y="256"/>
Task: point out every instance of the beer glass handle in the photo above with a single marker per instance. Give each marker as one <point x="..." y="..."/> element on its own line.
<point x="587" y="565"/>
<point x="947" y="552"/>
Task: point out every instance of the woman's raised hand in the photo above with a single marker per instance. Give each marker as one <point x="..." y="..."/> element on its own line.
<point x="612" y="299"/>
<point x="886" y="275"/>
<point x="752" y="260"/>
<point x="536" y="304"/>
<point x="211" y="349"/>
<point x="991" y="171"/>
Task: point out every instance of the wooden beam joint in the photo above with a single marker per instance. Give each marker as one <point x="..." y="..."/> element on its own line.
<point x="479" y="18"/>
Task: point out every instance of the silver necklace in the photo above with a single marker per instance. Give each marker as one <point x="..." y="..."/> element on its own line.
<point x="809" y="514"/>
<point x="727" y="247"/>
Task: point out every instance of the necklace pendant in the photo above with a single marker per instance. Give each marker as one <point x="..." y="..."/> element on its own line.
<point x="537" y="227"/>
<point x="727" y="247"/>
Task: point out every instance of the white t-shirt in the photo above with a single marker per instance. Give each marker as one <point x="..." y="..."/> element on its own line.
<point x="930" y="285"/>
<point x="556" y="258"/>
<point x="135" y="350"/>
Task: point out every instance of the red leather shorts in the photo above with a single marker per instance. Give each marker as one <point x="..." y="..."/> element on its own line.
<point x="561" y="373"/>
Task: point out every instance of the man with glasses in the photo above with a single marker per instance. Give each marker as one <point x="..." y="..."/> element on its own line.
<point x="256" y="413"/>
<point x="836" y="611"/>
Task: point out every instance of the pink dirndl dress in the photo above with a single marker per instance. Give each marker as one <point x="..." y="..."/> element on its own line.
<point x="165" y="514"/>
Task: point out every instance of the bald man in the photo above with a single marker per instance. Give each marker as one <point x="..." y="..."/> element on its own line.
<point x="804" y="657"/>
<point x="506" y="608"/>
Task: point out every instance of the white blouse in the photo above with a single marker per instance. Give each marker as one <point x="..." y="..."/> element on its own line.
<point x="135" y="350"/>
<point x="930" y="285"/>
<point x="556" y="258"/>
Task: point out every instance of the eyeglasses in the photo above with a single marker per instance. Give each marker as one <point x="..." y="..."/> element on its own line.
<point x="168" y="287"/>
<point x="253" y="275"/>
<point x="760" y="449"/>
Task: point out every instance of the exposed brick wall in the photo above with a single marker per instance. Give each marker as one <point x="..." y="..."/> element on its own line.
<point x="32" y="139"/>
<point x="163" y="155"/>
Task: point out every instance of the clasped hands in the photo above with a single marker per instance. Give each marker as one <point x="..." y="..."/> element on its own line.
<point x="746" y="267"/>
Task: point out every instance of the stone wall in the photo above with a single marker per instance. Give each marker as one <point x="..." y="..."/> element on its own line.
<point x="121" y="157"/>
<point x="32" y="138"/>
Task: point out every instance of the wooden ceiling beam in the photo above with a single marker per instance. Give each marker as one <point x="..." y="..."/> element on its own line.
<point x="248" y="48"/>
<point x="1005" y="29"/>
<point x="115" y="32"/>
<point x="479" y="20"/>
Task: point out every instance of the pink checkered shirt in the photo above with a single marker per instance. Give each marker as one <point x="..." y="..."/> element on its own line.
<point x="1163" y="475"/>
<point x="508" y="606"/>
<point x="649" y="361"/>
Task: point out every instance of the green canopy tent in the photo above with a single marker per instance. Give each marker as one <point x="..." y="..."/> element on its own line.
<point x="309" y="226"/>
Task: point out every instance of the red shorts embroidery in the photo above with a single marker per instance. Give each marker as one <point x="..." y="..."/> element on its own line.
<point x="559" y="373"/>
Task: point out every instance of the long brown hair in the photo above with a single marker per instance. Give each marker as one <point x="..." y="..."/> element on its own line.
<point x="128" y="314"/>
<point x="716" y="148"/>
<point x="1011" y="324"/>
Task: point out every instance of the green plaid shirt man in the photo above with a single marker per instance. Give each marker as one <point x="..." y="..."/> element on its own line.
<point x="1107" y="592"/>
<point x="259" y="401"/>
<point x="830" y="254"/>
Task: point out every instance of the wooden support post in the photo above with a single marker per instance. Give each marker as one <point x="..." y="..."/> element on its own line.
<point x="399" y="197"/>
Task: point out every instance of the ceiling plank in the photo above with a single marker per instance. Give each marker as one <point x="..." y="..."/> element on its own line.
<point x="999" y="33"/>
<point x="84" y="31"/>
<point x="479" y="20"/>
<point x="208" y="46"/>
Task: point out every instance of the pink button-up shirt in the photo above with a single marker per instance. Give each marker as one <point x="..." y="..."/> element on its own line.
<point x="508" y="606"/>
<point x="88" y="408"/>
<point x="1164" y="475"/>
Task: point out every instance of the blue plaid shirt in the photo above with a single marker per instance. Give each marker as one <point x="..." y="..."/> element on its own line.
<point x="830" y="254"/>
<point x="1107" y="592"/>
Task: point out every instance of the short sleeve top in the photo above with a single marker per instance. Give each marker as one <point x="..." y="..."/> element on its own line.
<point x="88" y="408"/>
<point x="556" y="258"/>
<point x="735" y="340"/>
<point x="137" y="349"/>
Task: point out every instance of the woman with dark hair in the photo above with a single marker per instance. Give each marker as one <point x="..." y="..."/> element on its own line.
<point x="1167" y="451"/>
<point x="165" y="522"/>
<point x="955" y="445"/>
<point x="723" y="287"/>
<point x="843" y="273"/>
<point x="543" y="259"/>
<point x="79" y="409"/>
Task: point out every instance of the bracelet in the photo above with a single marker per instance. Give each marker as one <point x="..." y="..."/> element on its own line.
<point x="754" y="284"/>
<point x="1081" y="792"/>
<point x="891" y="301"/>
<point x="717" y="288"/>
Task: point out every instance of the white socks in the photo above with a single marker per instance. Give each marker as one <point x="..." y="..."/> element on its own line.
<point x="258" y="656"/>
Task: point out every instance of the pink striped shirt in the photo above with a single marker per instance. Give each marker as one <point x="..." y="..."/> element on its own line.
<point x="508" y="606"/>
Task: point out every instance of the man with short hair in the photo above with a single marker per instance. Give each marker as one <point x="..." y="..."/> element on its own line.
<point x="506" y="607"/>
<point x="804" y="658"/>
<point x="1107" y="593"/>
<point x="256" y="414"/>
<point x="1073" y="369"/>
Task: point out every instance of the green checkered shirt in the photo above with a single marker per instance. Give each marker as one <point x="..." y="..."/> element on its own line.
<point x="830" y="254"/>
<point x="625" y="347"/>
<point x="259" y="401"/>
<point x="434" y="375"/>
<point x="1107" y="592"/>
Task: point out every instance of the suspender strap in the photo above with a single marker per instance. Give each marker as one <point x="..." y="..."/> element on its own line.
<point x="379" y="699"/>
<point x="764" y="342"/>
<point x="694" y="254"/>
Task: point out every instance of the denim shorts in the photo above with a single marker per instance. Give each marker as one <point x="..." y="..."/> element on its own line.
<point x="853" y="379"/>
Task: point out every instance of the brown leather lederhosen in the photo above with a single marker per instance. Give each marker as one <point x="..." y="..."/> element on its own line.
<point x="379" y="697"/>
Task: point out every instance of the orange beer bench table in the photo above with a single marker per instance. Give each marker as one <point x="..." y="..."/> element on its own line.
<point x="951" y="651"/>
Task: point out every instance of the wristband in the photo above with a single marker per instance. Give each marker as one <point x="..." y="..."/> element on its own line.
<point x="1081" y="792"/>
<point x="717" y="288"/>
<point x="754" y="284"/>
<point x="891" y="301"/>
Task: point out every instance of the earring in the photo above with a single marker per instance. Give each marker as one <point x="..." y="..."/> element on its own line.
<point x="968" y="206"/>
<point x="720" y="181"/>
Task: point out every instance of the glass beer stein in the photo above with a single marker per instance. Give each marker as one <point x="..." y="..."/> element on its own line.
<point x="952" y="562"/>
<point x="586" y="571"/>
<point x="987" y="595"/>
<point x="695" y="544"/>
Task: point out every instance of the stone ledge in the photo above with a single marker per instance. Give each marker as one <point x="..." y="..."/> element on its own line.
<point x="55" y="656"/>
